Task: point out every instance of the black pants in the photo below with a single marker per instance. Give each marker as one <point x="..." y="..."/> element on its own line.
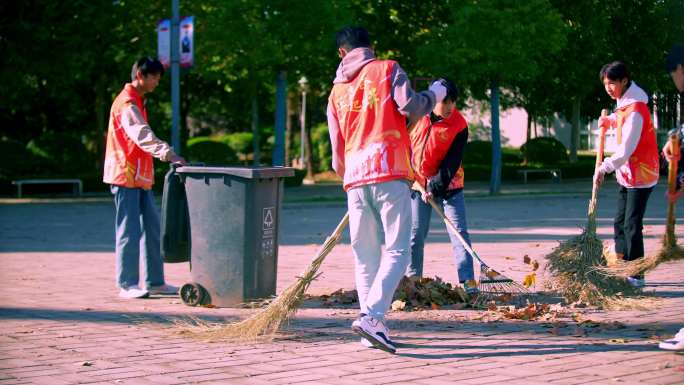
<point x="628" y="224"/>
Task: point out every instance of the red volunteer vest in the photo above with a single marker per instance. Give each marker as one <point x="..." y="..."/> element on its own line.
<point x="430" y="144"/>
<point x="376" y="144"/>
<point x="125" y="163"/>
<point x="643" y="166"/>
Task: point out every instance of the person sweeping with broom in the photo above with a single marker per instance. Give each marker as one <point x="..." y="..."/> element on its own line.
<point x="635" y="161"/>
<point x="367" y="110"/>
<point x="674" y="65"/>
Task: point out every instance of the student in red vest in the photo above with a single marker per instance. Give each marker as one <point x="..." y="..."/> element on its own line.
<point x="674" y="65"/>
<point x="367" y="111"/>
<point x="129" y="169"/>
<point x="438" y="141"/>
<point x="635" y="161"/>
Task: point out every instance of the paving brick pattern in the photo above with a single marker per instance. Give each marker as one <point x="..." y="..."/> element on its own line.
<point x="62" y="323"/>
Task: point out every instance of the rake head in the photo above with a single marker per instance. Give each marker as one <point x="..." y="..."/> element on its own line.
<point x="494" y="285"/>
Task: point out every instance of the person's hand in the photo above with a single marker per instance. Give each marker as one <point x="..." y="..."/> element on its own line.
<point x="667" y="152"/>
<point x="439" y="90"/>
<point x="605" y="123"/>
<point x="426" y="196"/>
<point x="177" y="159"/>
<point x="598" y="177"/>
<point x="672" y="198"/>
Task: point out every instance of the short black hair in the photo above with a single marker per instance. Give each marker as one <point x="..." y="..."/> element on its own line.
<point x="352" y="37"/>
<point x="676" y="56"/>
<point x="452" y="90"/>
<point x="616" y="70"/>
<point x="147" y="66"/>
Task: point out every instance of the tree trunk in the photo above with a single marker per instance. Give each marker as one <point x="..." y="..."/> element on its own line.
<point x="288" y="131"/>
<point x="308" y="153"/>
<point x="183" y="127"/>
<point x="495" y="181"/>
<point x="100" y="118"/>
<point x="255" y="129"/>
<point x="279" y="126"/>
<point x="575" y="131"/>
<point x="528" y="136"/>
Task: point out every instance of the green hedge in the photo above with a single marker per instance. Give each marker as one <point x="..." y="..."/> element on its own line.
<point x="480" y="152"/>
<point x="322" y="152"/>
<point x="549" y="151"/>
<point x="210" y="152"/>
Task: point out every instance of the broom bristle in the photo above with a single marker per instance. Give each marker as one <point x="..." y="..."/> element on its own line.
<point x="268" y="321"/>
<point x="573" y="271"/>
<point x="669" y="251"/>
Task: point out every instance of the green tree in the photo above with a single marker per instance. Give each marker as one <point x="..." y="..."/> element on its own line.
<point x="496" y="45"/>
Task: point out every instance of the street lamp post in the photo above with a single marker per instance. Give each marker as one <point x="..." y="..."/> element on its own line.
<point x="303" y="85"/>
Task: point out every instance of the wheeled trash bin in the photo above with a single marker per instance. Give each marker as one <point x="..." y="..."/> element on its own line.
<point x="233" y="215"/>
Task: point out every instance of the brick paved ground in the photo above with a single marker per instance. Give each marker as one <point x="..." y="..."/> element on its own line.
<point x="61" y="322"/>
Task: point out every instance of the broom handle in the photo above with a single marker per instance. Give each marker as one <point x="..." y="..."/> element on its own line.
<point x="449" y="224"/>
<point x="331" y="241"/>
<point x="340" y="226"/>
<point x="599" y="160"/>
<point x="672" y="185"/>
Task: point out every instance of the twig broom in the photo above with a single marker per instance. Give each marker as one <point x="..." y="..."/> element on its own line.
<point x="573" y="263"/>
<point x="669" y="251"/>
<point x="492" y="283"/>
<point x="267" y="322"/>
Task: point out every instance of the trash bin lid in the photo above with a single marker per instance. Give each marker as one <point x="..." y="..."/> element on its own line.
<point x="243" y="172"/>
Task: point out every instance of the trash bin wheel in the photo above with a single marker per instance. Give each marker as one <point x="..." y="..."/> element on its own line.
<point x="192" y="294"/>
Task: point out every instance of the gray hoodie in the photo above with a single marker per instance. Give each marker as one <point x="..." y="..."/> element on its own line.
<point x="409" y="103"/>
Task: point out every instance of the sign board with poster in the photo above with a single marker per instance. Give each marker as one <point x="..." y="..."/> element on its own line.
<point x="164" y="42"/>
<point x="186" y="42"/>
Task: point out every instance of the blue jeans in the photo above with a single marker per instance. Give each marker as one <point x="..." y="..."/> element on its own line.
<point x="137" y="233"/>
<point x="454" y="209"/>
<point x="379" y="213"/>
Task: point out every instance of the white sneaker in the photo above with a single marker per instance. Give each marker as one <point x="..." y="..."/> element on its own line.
<point x="375" y="332"/>
<point x="636" y="282"/>
<point x="133" y="292"/>
<point x="163" y="289"/>
<point x="676" y="343"/>
<point x="366" y="343"/>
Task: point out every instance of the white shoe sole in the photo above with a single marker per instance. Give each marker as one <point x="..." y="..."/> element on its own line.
<point x="670" y="347"/>
<point x="358" y="330"/>
<point x="146" y="295"/>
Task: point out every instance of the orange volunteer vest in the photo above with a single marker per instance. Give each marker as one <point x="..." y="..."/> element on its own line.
<point x="643" y="166"/>
<point x="125" y="163"/>
<point x="430" y="144"/>
<point x="376" y="144"/>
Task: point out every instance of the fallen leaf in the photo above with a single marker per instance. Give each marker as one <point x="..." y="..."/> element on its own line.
<point x="492" y="274"/>
<point x="398" y="305"/>
<point x="526" y="259"/>
<point x="530" y="279"/>
<point x="87" y="363"/>
<point x="535" y="265"/>
<point x="509" y="258"/>
<point x="618" y="340"/>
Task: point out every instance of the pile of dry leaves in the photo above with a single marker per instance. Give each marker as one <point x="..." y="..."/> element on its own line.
<point x="419" y="293"/>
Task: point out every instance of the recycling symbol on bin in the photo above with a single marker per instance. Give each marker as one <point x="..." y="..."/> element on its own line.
<point x="268" y="218"/>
